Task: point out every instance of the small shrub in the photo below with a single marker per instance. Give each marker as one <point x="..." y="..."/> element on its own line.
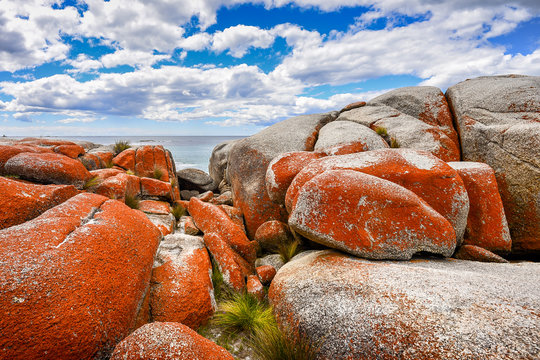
<point x="129" y="172"/>
<point x="158" y="173"/>
<point x="288" y="250"/>
<point x="272" y="344"/>
<point x="178" y="211"/>
<point x="394" y="143"/>
<point x="109" y="164"/>
<point x="92" y="183"/>
<point x="120" y="146"/>
<point x="243" y="312"/>
<point x="132" y="201"/>
<point x="221" y="291"/>
<point x="381" y="131"/>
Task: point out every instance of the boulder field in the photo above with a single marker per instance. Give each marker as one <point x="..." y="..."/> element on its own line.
<point x="416" y="217"/>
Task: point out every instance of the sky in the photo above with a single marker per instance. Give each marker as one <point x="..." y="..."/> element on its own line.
<point x="233" y="67"/>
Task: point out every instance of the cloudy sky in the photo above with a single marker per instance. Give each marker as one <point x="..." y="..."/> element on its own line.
<point x="232" y="67"/>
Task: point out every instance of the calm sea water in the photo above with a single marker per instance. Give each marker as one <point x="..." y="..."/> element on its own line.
<point x="187" y="151"/>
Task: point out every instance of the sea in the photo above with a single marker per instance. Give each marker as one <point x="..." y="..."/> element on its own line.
<point x="187" y="151"/>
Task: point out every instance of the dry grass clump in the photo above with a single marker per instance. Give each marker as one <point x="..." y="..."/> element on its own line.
<point x="158" y="173"/>
<point x="381" y="131"/>
<point x="288" y="250"/>
<point x="273" y="344"/>
<point x="178" y="211"/>
<point x="132" y="201"/>
<point x="394" y="143"/>
<point x="243" y="312"/>
<point x="92" y="183"/>
<point x="120" y="146"/>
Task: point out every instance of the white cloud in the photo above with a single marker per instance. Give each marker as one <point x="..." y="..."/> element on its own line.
<point x="238" y="39"/>
<point x="83" y="64"/>
<point x="132" y="58"/>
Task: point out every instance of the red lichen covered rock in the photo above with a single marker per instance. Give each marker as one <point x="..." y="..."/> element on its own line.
<point x="165" y="223"/>
<point x="476" y="253"/>
<point x="48" y="168"/>
<point x="149" y="158"/>
<point x="223" y="199"/>
<point x="156" y="188"/>
<point x="90" y="162"/>
<point x="155" y="207"/>
<point x="73" y="279"/>
<point x="105" y="157"/>
<point x="206" y="196"/>
<point x="227" y="261"/>
<point x="118" y="186"/>
<point x="8" y="151"/>
<point x="235" y="214"/>
<point x="353" y="105"/>
<point x="369" y="217"/>
<point x="21" y="202"/>
<point x="125" y="160"/>
<point x="103" y="174"/>
<point x="182" y="288"/>
<point x="266" y="273"/>
<point x="486" y="223"/>
<point x="72" y="151"/>
<point x="44" y="142"/>
<point x="211" y="219"/>
<point x="272" y="234"/>
<point x="254" y="287"/>
<point x="427" y="176"/>
<point x="189" y="226"/>
<point x="160" y="341"/>
<point x="282" y="170"/>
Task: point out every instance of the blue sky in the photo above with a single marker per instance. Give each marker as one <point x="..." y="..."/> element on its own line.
<point x="217" y="67"/>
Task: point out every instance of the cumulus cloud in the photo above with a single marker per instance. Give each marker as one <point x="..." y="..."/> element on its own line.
<point x="238" y="39"/>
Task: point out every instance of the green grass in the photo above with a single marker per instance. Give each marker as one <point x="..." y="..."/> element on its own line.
<point x="109" y="164"/>
<point x="221" y="290"/>
<point x="394" y="143"/>
<point x="131" y="201"/>
<point x="92" y="183"/>
<point x="244" y="313"/>
<point x="288" y="250"/>
<point x="381" y="131"/>
<point x="272" y="344"/>
<point x="120" y="146"/>
<point x="178" y="211"/>
<point x="130" y="172"/>
<point x="11" y="176"/>
<point x="158" y="173"/>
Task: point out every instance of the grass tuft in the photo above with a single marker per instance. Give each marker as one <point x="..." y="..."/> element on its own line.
<point x="120" y="146"/>
<point x="178" y="211"/>
<point x="288" y="250"/>
<point x="221" y="290"/>
<point x="381" y="131"/>
<point x="130" y="172"/>
<point x="272" y="344"/>
<point x="158" y="173"/>
<point x="92" y="183"/>
<point x="11" y="176"/>
<point x="394" y="143"/>
<point x="109" y="164"/>
<point x="132" y="201"/>
<point x="243" y="312"/>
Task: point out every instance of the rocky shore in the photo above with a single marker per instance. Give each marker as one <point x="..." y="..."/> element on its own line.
<point x="407" y="227"/>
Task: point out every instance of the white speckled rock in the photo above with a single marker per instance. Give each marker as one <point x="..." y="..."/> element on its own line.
<point x="424" y="309"/>
<point x="217" y="166"/>
<point x="338" y="134"/>
<point x="272" y="260"/>
<point x="498" y="120"/>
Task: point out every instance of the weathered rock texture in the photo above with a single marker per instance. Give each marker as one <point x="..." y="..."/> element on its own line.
<point x="217" y="167"/>
<point x="425" y="309"/>
<point x="195" y="179"/>
<point x="498" y="120"/>
<point x="72" y="279"/>
<point x="347" y="137"/>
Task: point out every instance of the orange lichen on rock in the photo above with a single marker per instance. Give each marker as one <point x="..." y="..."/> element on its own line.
<point x="9" y="151"/>
<point x="72" y="151"/>
<point x="155" y="207"/>
<point x="125" y="160"/>
<point x="254" y="287"/>
<point x="235" y="214"/>
<point x="160" y="341"/>
<point x="227" y="261"/>
<point x="266" y="273"/>
<point x="64" y="269"/>
<point x="211" y="219"/>
<point x="477" y="253"/>
<point x="48" y="168"/>
<point x="21" y="202"/>
<point x="486" y="223"/>
<point x="118" y="186"/>
<point x="369" y="217"/>
<point x="272" y="234"/>
<point x="156" y="188"/>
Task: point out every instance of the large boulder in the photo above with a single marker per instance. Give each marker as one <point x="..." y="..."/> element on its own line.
<point x="182" y="288"/>
<point x="48" y="168"/>
<point x="369" y="217"/>
<point x="498" y="120"/>
<point x="21" y="202"/>
<point x="168" y="340"/>
<point x="73" y="279"/>
<point x="147" y="161"/>
<point x="7" y="151"/>
<point x="217" y="165"/>
<point x="249" y="158"/>
<point x="195" y="179"/>
<point x="431" y="309"/>
<point x="347" y="137"/>
<point x="427" y="176"/>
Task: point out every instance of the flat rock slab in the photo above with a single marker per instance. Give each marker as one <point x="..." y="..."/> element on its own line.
<point x="423" y="309"/>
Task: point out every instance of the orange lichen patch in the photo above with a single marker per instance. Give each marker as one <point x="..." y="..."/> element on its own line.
<point x="233" y="273"/>
<point x="438" y="114"/>
<point x="44" y="142"/>
<point x="103" y="174"/>
<point x="105" y="156"/>
<point x="207" y="196"/>
<point x="8" y="151"/>
<point x="125" y="160"/>
<point x="344" y="149"/>
<point x="156" y="188"/>
<point x="235" y="214"/>
<point x="353" y="105"/>
<point x="283" y="169"/>
<point x="144" y="161"/>
<point x="157" y="341"/>
<point x="91" y="162"/>
<point x="273" y="233"/>
<point x="266" y="273"/>
<point x="477" y="253"/>
<point x="72" y="151"/>
<point x="64" y="269"/>
<point x="182" y="288"/>
<point x="447" y="150"/>
<point x="118" y="186"/>
<point x="176" y="193"/>
<point x="21" y="202"/>
<point x="427" y="176"/>
<point x="369" y="217"/>
<point x="223" y="199"/>
<point x="160" y="162"/>
<point x="254" y="287"/>
<point x="155" y="207"/>
<point x="486" y="223"/>
<point x="48" y="168"/>
<point x="184" y="203"/>
<point x="189" y="226"/>
<point x="211" y="219"/>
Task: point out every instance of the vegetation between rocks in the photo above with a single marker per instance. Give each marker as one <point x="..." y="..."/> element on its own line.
<point x="132" y="201"/>
<point x="178" y="211"/>
<point x="92" y="183"/>
<point x="158" y="173"/>
<point x="288" y="250"/>
<point x="120" y="146"/>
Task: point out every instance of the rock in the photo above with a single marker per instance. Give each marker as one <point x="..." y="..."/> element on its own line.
<point x="48" y="168"/>
<point x="182" y="288"/>
<point x="407" y="131"/>
<point x="217" y="167"/>
<point x="354" y="105"/>
<point x="207" y="196"/>
<point x="254" y="287"/>
<point x="165" y="223"/>
<point x="44" y="142"/>
<point x="426" y="103"/>
<point x="9" y="151"/>
<point x="158" y="341"/>
<point x="347" y="137"/>
<point x="195" y="179"/>
<point x="72" y="151"/>
<point x="486" y="223"/>
<point x="282" y="170"/>
<point x="235" y="214"/>
<point x="498" y="120"/>
<point x="125" y="160"/>
<point x="156" y="189"/>
<point x="145" y="160"/>
<point x="227" y="261"/>
<point x="155" y="207"/>
<point x="188" y="194"/>
<point x="428" y="177"/>
<point x="223" y="199"/>
<point x="119" y="186"/>
<point x="249" y="159"/>
<point x="189" y="225"/>
<point x="211" y="219"/>
<point x="272" y="234"/>
<point x="90" y="162"/>
<point x="476" y="253"/>
<point x="103" y="174"/>
<point x="430" y="309"/>
<point x="21" y="202"/>
<point x="106" y="157"/>
<point x="369" y="217"/>
<point x="265" y="273"/>
<point x="73" y="279"/>
<point x="273" y="260"/>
